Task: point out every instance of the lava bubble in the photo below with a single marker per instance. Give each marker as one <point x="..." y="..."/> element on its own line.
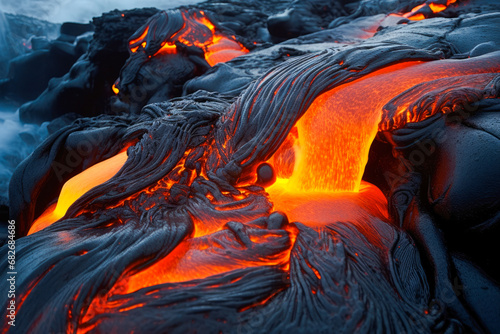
<point x="277" y="220"/>
<point x="265" y="175"/>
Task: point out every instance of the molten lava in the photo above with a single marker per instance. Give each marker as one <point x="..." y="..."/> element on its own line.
<point x="320" y="208"/>
<point x="198" y="31"/>
<point x="77" y="186"/>
<point x="427" y="9"/>
<point x="320" y="166"/>
<point x="335" y="134"/>
<point x="198" y="258"/>
<point x="330" y="147"/>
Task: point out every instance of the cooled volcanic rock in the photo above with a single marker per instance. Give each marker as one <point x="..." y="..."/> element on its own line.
<point x="29" y="74"/>
<point x="71" y="30"/>
<point x="16" y="32"/>
<point x="304" y="17"/>
<point x="40" y="57"/>
<point x="28" y="60"/>
<point x="86" y="88"/>
<point x="169" y="49"/>
<point x="205" y="211"/>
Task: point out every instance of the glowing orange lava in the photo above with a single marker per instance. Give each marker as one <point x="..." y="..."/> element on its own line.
<point x="317" y="209"/>
<point x="199" y="31"/>
<point x="330" y="150"/>
<point x="139" y="39"/>
<point x="195" y="258"/>
<point x="77" y="186"/>
<point x="334" y="137"/>
<point x="335" y="134"/>
<point x="198" y="258"/>
<point x="419" y="12"/>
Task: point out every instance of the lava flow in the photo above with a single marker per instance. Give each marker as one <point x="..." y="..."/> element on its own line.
<point x="330" y="150"/>
<point x="197" y="30"/>
<point x="77" y="186"/>
<point x="427" y="10"/>
<point x="334" y="136"/>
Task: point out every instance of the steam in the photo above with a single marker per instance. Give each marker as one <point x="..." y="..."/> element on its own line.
<point x="17" y="141"/>
<point x="59" y="11"/>
<point x="5" y="45"/>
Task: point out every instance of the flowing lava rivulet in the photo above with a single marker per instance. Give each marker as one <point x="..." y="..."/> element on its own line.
<point x="318" y="168"/>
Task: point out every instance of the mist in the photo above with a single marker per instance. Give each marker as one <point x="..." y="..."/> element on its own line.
<point x="59" y="11"/>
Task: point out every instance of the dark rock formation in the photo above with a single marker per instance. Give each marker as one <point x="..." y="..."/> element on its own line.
<point x="86" y="88"/>
<point x="304" y="17"/>
<point x="16" y="31"/>
<point x="29" y="74"/>
<point x="185" y="236"/>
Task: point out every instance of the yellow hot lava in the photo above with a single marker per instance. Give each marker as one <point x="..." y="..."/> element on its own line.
<point x="335" y="134"/>
<point x="77" y="186"/>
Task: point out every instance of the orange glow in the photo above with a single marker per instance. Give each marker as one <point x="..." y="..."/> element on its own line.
<point x="335" y="134"/>
<point x="167" y="48"/>
<point x="436" y="8"/>
<point x="140" y="38"/>
<point x="320" y="208"/>
<point x="217" y="47"/>
<point x="115" y="89"/>
<point x="194" y="258"/>
<point x="462" y="75"/>
<point x="32" y="285"/>
<point x="415" y="15"/>
<point x="335" y="137"/>
<point x="417" y="7"/>
<point x="77" y="186"/>
<point x="332" y="138"/>
<point x="262" y="302"/>
<point x="199" y="31"/>
<point x="407" y="111"/>
<point x="222" y="50"/>
<point x="198" y="258"/>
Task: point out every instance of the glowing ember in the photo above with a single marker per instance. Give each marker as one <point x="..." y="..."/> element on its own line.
<point x="77" y="186"/>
